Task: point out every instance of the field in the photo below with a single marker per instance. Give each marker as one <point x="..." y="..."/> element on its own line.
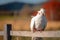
<point x="23" y="23"/>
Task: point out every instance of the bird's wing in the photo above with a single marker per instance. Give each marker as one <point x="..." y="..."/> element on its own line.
<point x="44" y="23"/>
<point x="32" y="25"/>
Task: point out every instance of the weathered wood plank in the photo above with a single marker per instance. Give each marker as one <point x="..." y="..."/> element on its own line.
<point x="31" y="34"/>
<point x="36" y="34"/>
<point x="1" y="33"/>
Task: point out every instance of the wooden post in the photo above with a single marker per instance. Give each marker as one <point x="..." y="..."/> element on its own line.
<point x="7" y="29"/>
<point x="32" y="38"/>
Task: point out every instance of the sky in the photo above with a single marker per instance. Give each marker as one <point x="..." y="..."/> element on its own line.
<point x="2" y="2"/>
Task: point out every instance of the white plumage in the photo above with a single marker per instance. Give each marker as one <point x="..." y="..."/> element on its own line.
<point x="39" y="21"/>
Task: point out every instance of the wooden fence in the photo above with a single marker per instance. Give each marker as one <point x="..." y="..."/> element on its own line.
<point x="7" y="33"/>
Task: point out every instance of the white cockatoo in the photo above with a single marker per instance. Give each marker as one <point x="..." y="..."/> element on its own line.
<point x="39" y="21"/>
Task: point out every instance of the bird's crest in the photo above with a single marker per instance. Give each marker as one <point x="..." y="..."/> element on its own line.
<point x="41" y="11"/>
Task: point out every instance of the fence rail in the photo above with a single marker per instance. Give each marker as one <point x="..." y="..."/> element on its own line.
<point x="1" y="33"/>
<point x="36" y="34"/>
<point x="31" y="34"/>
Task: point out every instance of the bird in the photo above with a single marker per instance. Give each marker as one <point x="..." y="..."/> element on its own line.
<point x="39" y="22"/>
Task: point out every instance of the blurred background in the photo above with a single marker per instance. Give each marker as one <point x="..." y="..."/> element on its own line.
<point x="19" y="12"/>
